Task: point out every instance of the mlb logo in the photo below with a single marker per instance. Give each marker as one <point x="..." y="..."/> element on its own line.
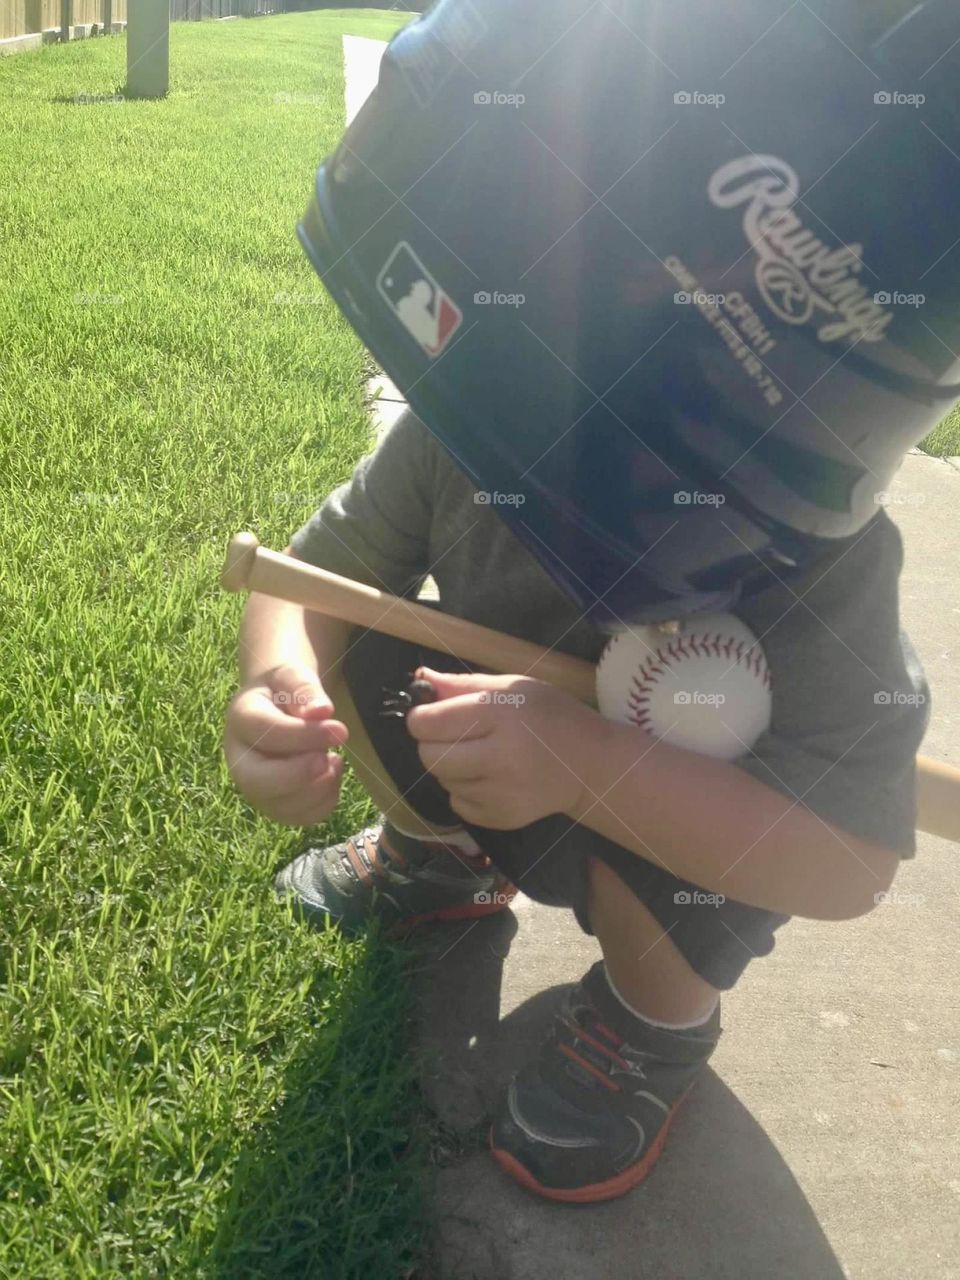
<point x="428" y="314"/>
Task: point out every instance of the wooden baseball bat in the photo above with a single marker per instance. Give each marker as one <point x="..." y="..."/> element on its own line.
<point x="250" y="567"/>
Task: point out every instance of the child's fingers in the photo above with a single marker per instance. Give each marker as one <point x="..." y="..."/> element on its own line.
<point x="471" y="801"/>
<point x="462" y="762"/>
<point x="314" y="710"/>
<point x="298" y="692"/>
<point x="265" y="778"/>
<point x="258" y="722"/>
<point x="450" y="684"/>
<point x="313" y="804"/>
<point x="297" y="791"/>
<point x="453" y="720"/>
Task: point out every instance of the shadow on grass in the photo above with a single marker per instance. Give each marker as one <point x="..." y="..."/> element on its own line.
<point x="722" y="1201"/>
<point x="122" y="93"/>
<point x="92" y="99"/>
<point x="329" y="1188"/>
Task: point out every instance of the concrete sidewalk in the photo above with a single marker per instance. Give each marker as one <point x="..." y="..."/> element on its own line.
<point x="823" y="1143"/>
<point x="361" y="67"/>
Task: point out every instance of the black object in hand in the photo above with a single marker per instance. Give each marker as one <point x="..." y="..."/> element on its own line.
<point x="397" y="702"/>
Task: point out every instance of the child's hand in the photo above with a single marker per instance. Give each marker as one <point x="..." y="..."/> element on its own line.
<point x="506" y="748"/>
<point x="276" y="741"/>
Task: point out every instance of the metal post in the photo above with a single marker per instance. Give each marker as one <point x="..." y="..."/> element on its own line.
<point x="148" y="48"/>
<point x="108" y="17"/>
<point x="66" y="14"/>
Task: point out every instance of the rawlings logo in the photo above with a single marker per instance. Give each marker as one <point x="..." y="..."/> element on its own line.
<point x="800" y="278"/>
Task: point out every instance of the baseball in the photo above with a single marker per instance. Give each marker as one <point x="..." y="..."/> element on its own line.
<point x="705" y="688"/>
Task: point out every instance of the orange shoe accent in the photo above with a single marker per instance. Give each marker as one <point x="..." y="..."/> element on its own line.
<point x="357" y="863"/>
<point x="588" y="1066"/>
<point x="608" y="1190"/>
<point x="583" y="1034"/>
<point x="463" y="910"/>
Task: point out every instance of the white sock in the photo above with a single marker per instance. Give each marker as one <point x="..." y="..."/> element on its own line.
<point x="459" y="839"/>
<point x="668" y="1026"/>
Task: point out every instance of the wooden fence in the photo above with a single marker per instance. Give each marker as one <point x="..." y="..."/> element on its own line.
<point x="24" y="17"/>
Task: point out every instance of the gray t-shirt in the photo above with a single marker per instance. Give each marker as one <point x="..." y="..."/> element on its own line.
<point x="850" y="700"/>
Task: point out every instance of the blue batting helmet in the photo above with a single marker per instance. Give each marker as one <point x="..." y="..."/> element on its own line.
<point x="684" y="275"/>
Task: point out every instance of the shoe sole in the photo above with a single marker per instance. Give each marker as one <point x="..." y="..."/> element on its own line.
<point x="462" y="911"/>
<point x="314" y="915"/>
<point x="610" y="1189"/>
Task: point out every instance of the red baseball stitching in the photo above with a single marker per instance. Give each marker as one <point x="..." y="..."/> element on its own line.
<point x="750" y="657"/>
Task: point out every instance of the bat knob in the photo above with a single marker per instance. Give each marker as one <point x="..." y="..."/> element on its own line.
<point x="241" y="557"/>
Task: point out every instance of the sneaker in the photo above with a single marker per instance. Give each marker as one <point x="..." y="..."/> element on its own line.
<point x="587" y="1120"/>
<point x="403" y="881"/>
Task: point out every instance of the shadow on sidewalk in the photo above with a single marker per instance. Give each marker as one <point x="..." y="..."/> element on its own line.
<point x="721" y="1202"/>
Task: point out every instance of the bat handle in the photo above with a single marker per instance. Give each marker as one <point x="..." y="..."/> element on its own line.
<point x="241" y="558"/>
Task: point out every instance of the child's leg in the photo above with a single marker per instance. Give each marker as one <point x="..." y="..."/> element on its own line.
<point x="384" y="754"/>
<point x="419" y="863"/>
<point x="587" y="1118"/>
<point x="370" y="770"/>
<point x="644" y="966"/>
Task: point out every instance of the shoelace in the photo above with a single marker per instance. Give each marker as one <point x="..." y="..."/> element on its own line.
<point x="382" y="860"/>
<point x="374" y="864"/>
<point x="596" y="1050"/>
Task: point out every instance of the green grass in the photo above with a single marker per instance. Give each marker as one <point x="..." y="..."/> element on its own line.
<point x="945" y="440"/>
<point x="190" y="1085"/>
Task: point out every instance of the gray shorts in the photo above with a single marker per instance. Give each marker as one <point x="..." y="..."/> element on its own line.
<point x="549" y="859"/>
